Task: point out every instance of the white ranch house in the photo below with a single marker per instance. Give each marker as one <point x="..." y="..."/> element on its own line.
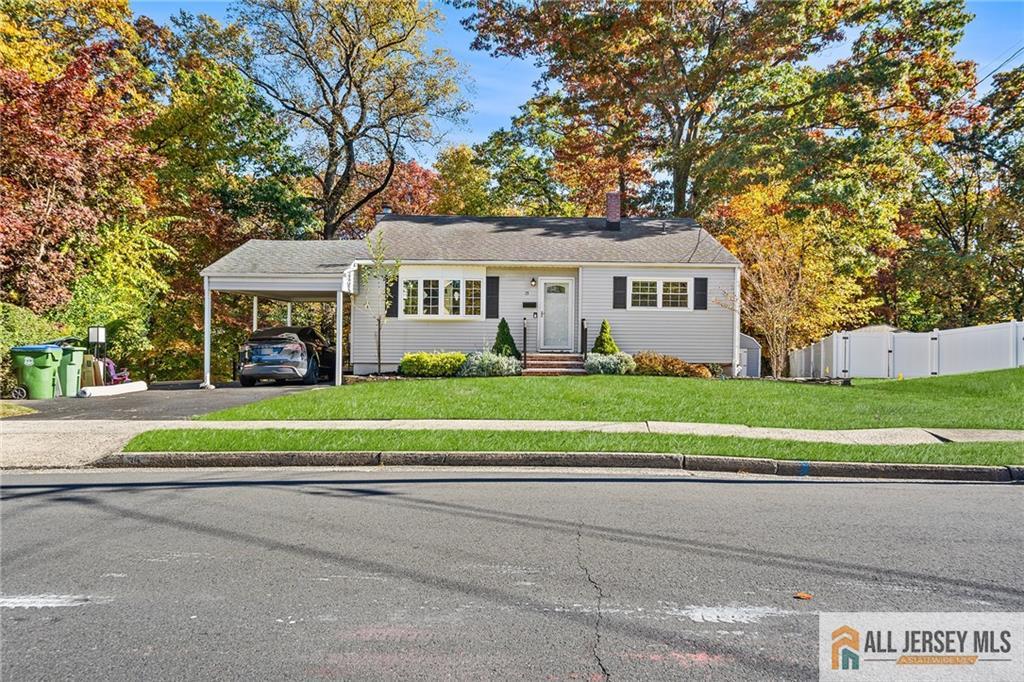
<point x="663" y="284"/>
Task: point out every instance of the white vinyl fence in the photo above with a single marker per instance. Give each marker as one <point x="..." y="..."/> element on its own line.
<point x="910" y="354"/>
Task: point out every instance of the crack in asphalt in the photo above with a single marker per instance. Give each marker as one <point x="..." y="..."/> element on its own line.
<point x="600" y="597"/>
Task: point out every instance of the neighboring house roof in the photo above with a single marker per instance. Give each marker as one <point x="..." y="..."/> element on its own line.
<point x="548" y="240"/>
<point x="279" y="257"/>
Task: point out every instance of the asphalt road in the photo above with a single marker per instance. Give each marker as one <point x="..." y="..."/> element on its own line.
<point x="475" y="574"/>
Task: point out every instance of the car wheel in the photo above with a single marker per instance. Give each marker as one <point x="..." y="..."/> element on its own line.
<point x="312" y="372"/>
<point x="248" y="382"/>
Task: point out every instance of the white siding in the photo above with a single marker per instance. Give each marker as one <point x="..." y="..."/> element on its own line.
<point x="402" y="335"/>
<point x="693" y="335"/>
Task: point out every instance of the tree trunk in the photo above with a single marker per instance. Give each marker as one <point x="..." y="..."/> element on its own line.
<point x="380" y="327"/>
<point x="680" y="187"/>
<point x="778" y="362"/>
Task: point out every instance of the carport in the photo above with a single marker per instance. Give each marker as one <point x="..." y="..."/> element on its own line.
<point x="287" y="271"/>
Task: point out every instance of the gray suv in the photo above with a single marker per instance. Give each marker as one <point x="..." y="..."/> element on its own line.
<point x="285" y="354"/>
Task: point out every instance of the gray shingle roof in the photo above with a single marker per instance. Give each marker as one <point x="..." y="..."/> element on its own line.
<point x="462" y="238"/>
<point x="561" y="240"/>
<point x="272" y="257"/>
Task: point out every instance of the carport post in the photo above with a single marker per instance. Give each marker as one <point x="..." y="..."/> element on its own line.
<point x="339" y="336"/>
<point x="288" y="315"/>
<point x="255" y="302"/>
<point x="207" y="315"/>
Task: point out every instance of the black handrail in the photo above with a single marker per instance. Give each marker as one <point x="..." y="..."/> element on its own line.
<point x="583" y="338"/>
<point x="524" y="343"/>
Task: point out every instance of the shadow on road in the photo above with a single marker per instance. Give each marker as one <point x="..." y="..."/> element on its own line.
<point x="21" y="490"/>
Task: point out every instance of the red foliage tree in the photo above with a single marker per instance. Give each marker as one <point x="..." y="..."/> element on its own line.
<point x="68" y="156"/>
<point x="411" y="191"/>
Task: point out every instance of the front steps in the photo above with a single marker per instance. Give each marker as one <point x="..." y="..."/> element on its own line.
<point x="553" y="364"/>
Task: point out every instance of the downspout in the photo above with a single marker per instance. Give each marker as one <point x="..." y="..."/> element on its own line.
<point x="736" y="326"/>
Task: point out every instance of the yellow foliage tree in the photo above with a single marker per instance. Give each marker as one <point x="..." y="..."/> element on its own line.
<point x="461" y="183"/>
<point x="39" y="37"/>
<point x="793" y="288"/>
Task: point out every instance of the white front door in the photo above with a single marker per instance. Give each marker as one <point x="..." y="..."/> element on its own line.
<point x="555" y="324"/>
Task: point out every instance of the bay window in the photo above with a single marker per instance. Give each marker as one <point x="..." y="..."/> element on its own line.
<point x="442" y="297"/>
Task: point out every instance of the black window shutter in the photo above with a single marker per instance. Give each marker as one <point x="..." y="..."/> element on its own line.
<point x="700" y="293"/>
<point x="492" y="298"/>
<point x="393" y="302"/>
<point x="618" y="292"/>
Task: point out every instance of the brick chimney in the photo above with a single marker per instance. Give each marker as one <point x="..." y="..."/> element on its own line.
<point x="612" y="211"/>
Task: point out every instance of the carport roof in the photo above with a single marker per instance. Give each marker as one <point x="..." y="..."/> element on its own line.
<point x="278" y="257"/>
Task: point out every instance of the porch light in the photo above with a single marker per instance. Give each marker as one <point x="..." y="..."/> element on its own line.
<point x="533" y="281"/>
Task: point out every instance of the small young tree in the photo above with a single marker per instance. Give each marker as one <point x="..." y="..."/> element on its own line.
<point x="504" y="344"/>
<point x="604" y="344"/>
<point x="382" y="274"/>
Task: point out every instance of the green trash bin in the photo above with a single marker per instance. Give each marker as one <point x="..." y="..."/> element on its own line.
<point x="69" y="372"/>
<point x="36" y="367"/>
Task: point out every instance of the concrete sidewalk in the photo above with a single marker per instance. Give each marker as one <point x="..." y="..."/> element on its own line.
<point x="67" y="443"/>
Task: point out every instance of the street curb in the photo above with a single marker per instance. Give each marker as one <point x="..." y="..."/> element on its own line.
<point x="742" y="465"/>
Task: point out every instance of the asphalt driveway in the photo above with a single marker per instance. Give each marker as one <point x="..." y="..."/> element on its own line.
<point x="163" y="400"/>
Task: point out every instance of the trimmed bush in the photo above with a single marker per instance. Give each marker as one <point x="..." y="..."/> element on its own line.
<point x="431" y="364"/>
<point x="604" y="344"/>
<point x="489" y="364"/>
<point x="504" y="344"/>
<point x="657" y="364"/>
<point x="620" y="363"/>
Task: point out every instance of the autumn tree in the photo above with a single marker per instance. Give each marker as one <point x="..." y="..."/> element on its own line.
<point x="520" y="163"/>
<point x="41" y="37"/>
<point x="354" y="79"/>
<point x="226" y="174"/>
<point x="412" y="190"/>
<point x="68" y="163"/>
<point x="793" y="288"/>
<point x="964" y="258"/>
<point x="463" y="183"/>
<point x="715" y="80"/>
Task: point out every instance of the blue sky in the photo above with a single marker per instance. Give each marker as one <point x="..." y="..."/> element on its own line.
<point x="500" y="86"/>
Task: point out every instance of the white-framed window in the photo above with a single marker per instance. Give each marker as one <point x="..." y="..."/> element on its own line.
<point x="431" y="298"/>
<point x="474" y="297"/>
<point x="411" y="297"/>
<point x="643" y="293"/>
<point x="447" y="297"/>
<point x="648" y="293"/>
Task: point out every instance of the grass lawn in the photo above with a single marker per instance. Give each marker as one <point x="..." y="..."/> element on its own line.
<point x="983" y="400"/>
<point x="8" y="409"/>
<point x="221" y="440"/>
